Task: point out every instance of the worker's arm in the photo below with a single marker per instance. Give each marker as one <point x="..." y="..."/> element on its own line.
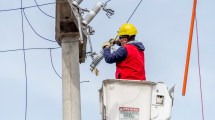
<point x="117" y="56"/>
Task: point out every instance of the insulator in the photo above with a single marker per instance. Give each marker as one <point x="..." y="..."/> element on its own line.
<point x="92" y="13"/>
<point x="97" y="60"/>
<point x="77" y="2"/>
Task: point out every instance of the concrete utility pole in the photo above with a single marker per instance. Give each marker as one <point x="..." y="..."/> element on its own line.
<point x="71" y="34"/>
<point x="71" y="78"/>
<point x="73" y="42"/>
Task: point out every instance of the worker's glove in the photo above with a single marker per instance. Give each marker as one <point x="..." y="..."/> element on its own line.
<point x="117" y="41"/>
<point x="106" y="44"/>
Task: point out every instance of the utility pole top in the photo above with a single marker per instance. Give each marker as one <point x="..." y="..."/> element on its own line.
<point x="68" y="24"/>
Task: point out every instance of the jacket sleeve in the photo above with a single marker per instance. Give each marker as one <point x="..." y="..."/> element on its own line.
<point x="117" y="56"/>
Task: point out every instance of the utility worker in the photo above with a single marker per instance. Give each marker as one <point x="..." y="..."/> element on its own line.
<point x="129" y="58"/>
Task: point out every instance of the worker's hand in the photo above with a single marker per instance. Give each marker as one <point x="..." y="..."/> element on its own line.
<point x="106" y="44"/>
<point x="111" y="41"/>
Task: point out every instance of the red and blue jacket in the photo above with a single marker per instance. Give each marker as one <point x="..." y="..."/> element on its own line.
<point x="129" y="60"/>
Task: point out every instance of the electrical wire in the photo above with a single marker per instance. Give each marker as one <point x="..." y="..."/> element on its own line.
<point x="27" y="7"/>
<point x="200" y="78"/>
<point x="134" y="11"/>
<point x="43" y="11"/>
<point x="55" y="69"/>
<point x="25" y="64"/>
<point x="27" y="49"/>
<point x="29" y="21"/>
<point x="36" y="49"/>
<point x="53" y="65"/>
<point x="35" y="30"/>
<point x="84" y="81"/>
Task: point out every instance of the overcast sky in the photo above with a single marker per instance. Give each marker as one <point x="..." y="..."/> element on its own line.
<point x="163" y="27"/>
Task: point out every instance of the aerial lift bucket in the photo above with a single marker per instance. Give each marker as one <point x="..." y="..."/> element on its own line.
<point x="135" y="100"/>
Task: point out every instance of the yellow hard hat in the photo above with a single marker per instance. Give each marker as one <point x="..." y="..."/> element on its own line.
<point x="127" y="29"/>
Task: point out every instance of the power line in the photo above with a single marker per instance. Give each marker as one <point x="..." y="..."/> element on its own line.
<point x="43" y="11"/>
<point x="53" y="65"/>
<point x="13" y="50"/>
<point x="37" y="49"/>
<point x="35" y="30"/>
<point x="25" y="64"/>
<point x="29" y="21"/>
<point x="7" y="10"/>
<point x="55" y="69"/>
<point x="134" y="11"/>
<point x="200" y="78"/>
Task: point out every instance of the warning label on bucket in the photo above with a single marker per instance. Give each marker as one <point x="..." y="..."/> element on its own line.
<point x="128" y="113"/>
